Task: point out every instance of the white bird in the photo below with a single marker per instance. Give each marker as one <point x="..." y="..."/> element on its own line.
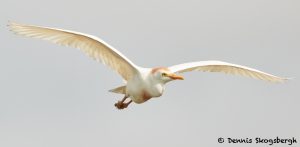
<point x="142" y="84"/>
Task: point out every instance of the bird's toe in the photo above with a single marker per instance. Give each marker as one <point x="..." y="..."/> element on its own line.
<point x="120" y="105"/>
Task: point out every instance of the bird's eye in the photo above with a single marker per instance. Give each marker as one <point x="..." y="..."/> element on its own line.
<point x="164" y="74"/>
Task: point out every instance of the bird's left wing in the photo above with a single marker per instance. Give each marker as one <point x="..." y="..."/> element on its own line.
<point x="219" y="66"/>
<point x="91" y="45"/>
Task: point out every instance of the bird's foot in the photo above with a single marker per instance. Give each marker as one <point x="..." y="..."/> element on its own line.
<point x="121" y="105"/>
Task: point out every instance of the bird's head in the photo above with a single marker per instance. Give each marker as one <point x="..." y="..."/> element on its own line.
<point x="164" y="75"/>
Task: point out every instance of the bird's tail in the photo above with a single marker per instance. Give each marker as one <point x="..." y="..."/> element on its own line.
<point x="120" y="90"/>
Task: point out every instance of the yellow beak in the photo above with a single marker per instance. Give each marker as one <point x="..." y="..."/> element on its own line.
<point x="175" y="77"/>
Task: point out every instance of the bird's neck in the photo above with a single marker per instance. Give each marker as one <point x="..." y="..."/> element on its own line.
<point x="156" y="81"/>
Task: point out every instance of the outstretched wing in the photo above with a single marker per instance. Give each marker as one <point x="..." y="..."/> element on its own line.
<point x="219" y="66"/>
<point x="91" y="45"/>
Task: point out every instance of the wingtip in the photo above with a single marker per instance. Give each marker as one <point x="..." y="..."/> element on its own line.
<point x="13" y="26"/>
<point x="290" y="78"/>
<point x="8" y="23"/>
<point x="12" y="23"/>
<point x="283" y="80"/>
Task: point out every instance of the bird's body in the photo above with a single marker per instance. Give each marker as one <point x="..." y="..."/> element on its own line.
<point x="141" y="88"/>
<point x="142" y="84"/>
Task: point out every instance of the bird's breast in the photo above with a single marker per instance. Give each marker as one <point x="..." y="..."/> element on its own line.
<point x="145" y="96"/>
<point x="143" y="93"/>
<point x="142" y="88"/>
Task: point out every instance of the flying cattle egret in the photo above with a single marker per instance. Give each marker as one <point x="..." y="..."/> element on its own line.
<point x="142" y="84"/>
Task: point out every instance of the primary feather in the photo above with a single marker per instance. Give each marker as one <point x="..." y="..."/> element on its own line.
<point x="219" y="66"/>
<point x="91" y="45"/>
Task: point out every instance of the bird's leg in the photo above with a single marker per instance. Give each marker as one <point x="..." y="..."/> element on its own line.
<point x="126" y="104"/>
<point x="121" y="104"/>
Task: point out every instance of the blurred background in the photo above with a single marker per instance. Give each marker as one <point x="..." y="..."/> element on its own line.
<point x="57" y="96"/>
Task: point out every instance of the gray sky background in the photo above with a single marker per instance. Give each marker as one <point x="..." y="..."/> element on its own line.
<point x="53" y="96"/>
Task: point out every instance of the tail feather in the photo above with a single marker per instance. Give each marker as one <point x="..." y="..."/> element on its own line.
<point x="120" y="90"/>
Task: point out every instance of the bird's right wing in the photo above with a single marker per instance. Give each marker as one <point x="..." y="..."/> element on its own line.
<point x="219" y="66"/>
<point x="91" y="45"/>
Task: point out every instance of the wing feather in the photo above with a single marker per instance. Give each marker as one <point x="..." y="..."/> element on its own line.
<point x="91" y="45"/>
<point x="228" y="68"/>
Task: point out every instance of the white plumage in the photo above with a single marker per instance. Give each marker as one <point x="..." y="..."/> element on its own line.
<point x="219" y="66"/>
<point x="142" y="83"/>
<point x="91" y="45"/>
